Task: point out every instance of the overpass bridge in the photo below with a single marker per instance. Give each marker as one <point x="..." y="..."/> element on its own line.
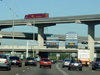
<point x="5" y="48"/>
<point x="90" y="20"/>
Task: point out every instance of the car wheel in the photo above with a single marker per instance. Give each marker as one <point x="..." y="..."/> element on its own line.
<point x="50" y="66"/>
<point x="20" y="65"/>
<point x="35" y="65"/>
<point x="62" y="66"/>
<point x="7" y="68"/>
<point x="25" y="64"/>
<point x="93" y="68"/>
<point x="80" y="69"/>
<point x="40" y="66"/>
<point x="10" y="68"/>
<point x="69" y="68"/>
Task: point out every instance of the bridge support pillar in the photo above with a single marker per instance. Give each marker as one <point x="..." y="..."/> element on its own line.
<point x="40" y="36"/>
<point x="91" y="33"/>
<point x="37" y="53"/>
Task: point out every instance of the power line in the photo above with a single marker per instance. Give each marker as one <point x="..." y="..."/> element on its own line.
<point x="9" y="8"/>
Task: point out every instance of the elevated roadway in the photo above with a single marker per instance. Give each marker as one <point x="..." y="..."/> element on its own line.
<point x="44" y="49"/>
<point x="29" y="36"/>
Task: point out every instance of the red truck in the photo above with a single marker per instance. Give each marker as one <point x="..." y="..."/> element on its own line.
<point x="41" y="15"/>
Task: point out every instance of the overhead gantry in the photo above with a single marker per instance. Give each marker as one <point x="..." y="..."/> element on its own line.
<point x="90" y="20"/>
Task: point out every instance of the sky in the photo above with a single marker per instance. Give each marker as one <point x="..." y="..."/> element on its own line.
<point x="55" y="8"/>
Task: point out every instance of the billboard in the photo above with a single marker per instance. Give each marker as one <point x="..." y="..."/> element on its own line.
<point x="71" y="40"/>
<point x="52" y="42"/>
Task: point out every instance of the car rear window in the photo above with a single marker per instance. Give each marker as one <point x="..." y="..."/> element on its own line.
<point x="67" y="60"/>
<point x="45" y="60"/>
<point x="98" y="59"/>
<point x="14" y="58"/>
<point x="30" y="59"/>
<point x="3" y="56"/>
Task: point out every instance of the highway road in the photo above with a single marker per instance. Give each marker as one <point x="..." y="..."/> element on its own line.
<point x="55" y="70"/>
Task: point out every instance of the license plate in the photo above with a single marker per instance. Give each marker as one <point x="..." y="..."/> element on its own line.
<point x="45" y="62"/>
<point x="30" y="61"/>
<point x="14" y="61"/>
<point x="76" y="64"/>
<point x="71" y="43"/>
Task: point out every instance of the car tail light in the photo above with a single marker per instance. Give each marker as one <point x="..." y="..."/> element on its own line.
<point x="70" y="64"/>
<point x="34" y="61"/>
<point x="18" y="61"/>
<point x="25" y="61"/>
<point x="64" y="62"/>
<point x="6" y="61"/>
<point x="95" y="61"/>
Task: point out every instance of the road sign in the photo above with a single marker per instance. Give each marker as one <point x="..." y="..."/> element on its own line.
<point x="57" y="55"/>
<point x="71" y="39"/>
<point x="52" y="41"/>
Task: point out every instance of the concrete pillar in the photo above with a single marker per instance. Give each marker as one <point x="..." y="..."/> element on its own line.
<point x="37" y="53"/>
<point x="40" y="36"/>
<point x="91" y="29"/>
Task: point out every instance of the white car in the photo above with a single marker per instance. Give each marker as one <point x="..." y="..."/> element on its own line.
<point x="38" y="58"/>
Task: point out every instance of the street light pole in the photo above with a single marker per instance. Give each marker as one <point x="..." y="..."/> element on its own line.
<point x="33" y="36"/>
<point x="13" y="31"/>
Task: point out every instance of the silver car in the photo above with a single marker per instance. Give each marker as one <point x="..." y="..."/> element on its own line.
<point x="5" y="62"/>
<point x="66" y="63"/>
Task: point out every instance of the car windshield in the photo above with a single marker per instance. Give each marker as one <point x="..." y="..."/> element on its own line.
<point x="30" y="59"/>
<point x="67" y="60"/>
<point x="14" y="58"/>
<point x="45" y="60"/>
<point x="3" y="56"/>
<point x="74" y="61"/>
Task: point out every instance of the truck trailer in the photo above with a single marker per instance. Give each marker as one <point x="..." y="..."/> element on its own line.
<point x="84" y="56"/>
<point x="40" y="15"/>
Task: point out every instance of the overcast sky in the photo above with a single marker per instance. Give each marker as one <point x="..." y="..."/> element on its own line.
<point x="55" y="8"/>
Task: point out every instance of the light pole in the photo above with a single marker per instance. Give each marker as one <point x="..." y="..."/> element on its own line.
<point x="13" y="31"/>
<point x="33" y="36"/>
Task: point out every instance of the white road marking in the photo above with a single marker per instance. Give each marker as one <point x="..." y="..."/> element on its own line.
<point x="93" y="71"/>
<point x="63" y="72"/>
<point x="23" y="71"/>
<point x="17" y="74"/>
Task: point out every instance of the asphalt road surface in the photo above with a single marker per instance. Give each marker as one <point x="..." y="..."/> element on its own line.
<point x="55" y="70"/>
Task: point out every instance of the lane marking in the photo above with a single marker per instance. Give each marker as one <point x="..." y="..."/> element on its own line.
<point x="17" y="74"/>
<point x="63" y="72"/>
<point x="93" y="71"/>
<point x="23" y="71"/>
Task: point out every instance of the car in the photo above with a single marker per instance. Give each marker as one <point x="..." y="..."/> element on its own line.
<point x="5" y="62"/>
<point x="15" y="60"/>
<point x="38" y="59"/>
<point x="45" y="62"/>
<point x="53" y="61"/>
<point x="74" y="64"/>
<point x="66" y="63"/>
<point x="96" y="63"/>
<point x="30" y="61"/>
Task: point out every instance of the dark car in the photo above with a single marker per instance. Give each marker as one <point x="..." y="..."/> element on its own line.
<point x="66" y="63"/>
<point x="5" y="62"/>
<point x="15" y="60"/>
<point x="53" y="61"/>
<point x="30" y="61"/>
<point x="45" y="62"/>
<point x="96" y="63"/>
<point x="74" y="64"/>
